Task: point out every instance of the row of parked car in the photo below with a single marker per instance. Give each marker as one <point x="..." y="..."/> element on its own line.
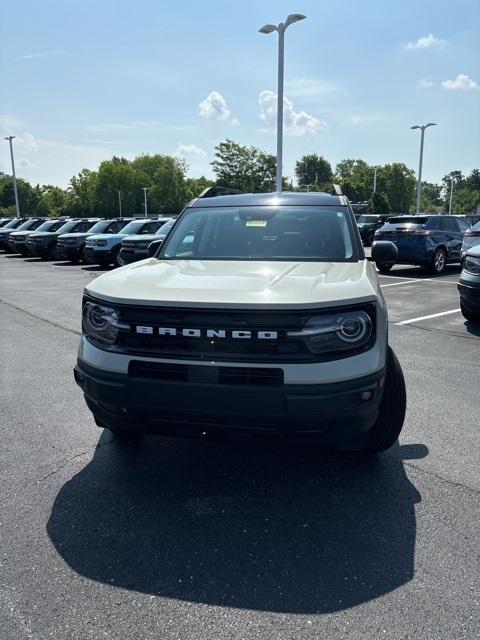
<point x="98" y="241"/>
<point x="430" y="241"/>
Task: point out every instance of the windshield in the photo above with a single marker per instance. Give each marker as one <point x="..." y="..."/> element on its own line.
<point x="165" y="228"/>
<point x="50" y="225"/>
<point x="369" y="219"/>
<point x="132" y="228"/>
<point x="13" y="224"/>
<point x="29" y="224"/>
<point x="99" y="227"/>
<point x="262" y="233"/>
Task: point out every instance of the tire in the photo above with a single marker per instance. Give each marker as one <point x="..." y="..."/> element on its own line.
<point x="370" y="238"/>
<point x="439" y="261"/>
<point x="116" y="258"/>
<point x="383" y="267"/>
<point x="48" y="255"/>
<point x="469" y="315"/>
<point x="392" y="409"/>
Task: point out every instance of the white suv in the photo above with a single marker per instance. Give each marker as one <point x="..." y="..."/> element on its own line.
<point x="258" y="314"/>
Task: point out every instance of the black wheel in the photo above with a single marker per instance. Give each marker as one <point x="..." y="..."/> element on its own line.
<point x="370" y="238"/>
<point x="469" y="315"/>
<point x="116" y="258"/>
<point x="393" y="405"/>
<point x="48" y="255"/>
<point x="439" y="261"/>
<point x="383" y="267"/>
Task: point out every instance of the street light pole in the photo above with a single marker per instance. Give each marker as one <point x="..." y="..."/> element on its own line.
<point x="375" y="179"/>
<point x="452" y="178"/>
<point x="17" y="207"/>
<point x="419" y="181"/>
<point x="145" y="200"/>
<point x="120" y="203"/>
<point x="280" y="29"/>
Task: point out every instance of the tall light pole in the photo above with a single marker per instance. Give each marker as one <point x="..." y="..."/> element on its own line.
<point x="120" y="203"/>
<point x="280" y="28"/>
<point x="419" y="181"/>
<point x="452" y="178"/>
<point x="375" y="179"/>
<point x="17" y="208"/>
<point x="145" y="200"/>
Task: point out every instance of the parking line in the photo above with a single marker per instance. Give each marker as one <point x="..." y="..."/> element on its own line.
<point x="433" y="315"/>
<point x="394" y="284"/>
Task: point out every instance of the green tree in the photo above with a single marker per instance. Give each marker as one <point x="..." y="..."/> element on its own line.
<point x="54" y="202"/>
<point x="166" y="176"/>
<point x="244" y="168"/>
<point x="313" y="171"/>
<point x="356" y="179"/>
<point x="82" y="189"/>
<point x="398" y="184"/>
<point x="195" y="186"/>
<point x="431" y="198"/>
<point x="473" y="180"/>
<point x="117" y="175"/>
<point x="378" y="204"/>
<point x="28" y="196"/>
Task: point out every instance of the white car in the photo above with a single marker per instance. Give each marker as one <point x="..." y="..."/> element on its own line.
<point x="260" y="314"/>
<point x="471" y="238"/>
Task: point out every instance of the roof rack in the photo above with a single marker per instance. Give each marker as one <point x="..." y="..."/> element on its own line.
<point x="336" y="190"/>
<point x="212" y="192"/>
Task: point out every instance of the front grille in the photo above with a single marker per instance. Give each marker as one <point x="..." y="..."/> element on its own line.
<point x="255" y="376"/>
<point x="229" y="348"/>
<point x="128" y="244"/>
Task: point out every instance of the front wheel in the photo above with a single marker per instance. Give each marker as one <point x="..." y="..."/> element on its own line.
<point x="383" y="267"/>
<point x="469" y="315"/>
<point x="392" y="408"/>
<point x="370" y="238"/>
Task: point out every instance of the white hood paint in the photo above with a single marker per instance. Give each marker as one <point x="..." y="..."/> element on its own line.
<point x="235" y="284"/>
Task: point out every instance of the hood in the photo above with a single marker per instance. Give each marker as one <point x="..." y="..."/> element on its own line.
<point x="6" y="232"/>
<point x="80" y="234"/>
<point x="106" y="236"/>
<point x="44" y="234"/>
<point x="474" y="251"/>
<point x="145" y="237"/>
<point x="17" y="234"/>
<point x="235" y="284"/>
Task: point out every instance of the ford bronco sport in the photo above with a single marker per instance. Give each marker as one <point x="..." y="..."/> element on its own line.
<point x="260" y="314"/>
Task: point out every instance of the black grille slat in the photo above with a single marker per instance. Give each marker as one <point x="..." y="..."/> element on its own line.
<point x="257" y="376"/>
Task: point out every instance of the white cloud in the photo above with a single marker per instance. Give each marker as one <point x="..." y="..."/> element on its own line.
<point x="425" y="83"/>
<point x="425" y="42"/>
<point x="42" y="54"/>
<point x="358" y="120"/>
<point x="9" y="122"/>
<point x="111" y="126"/>
<point x="297" y="123"/>
<point x="461" y="83"/>
<point x="214" y="107"/>
<point x="311" y="88"/>
<point x="189" y="150"/>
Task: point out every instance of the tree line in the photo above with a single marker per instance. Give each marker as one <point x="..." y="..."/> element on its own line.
<point x="247" y="168"/>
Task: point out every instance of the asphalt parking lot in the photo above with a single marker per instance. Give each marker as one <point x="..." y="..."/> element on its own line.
<point x="186" y="539"/>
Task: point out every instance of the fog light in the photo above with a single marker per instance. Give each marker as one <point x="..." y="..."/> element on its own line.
<point x="366" y="395"/>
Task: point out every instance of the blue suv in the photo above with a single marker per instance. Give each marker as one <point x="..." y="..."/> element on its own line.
<point x="430" y="241"/>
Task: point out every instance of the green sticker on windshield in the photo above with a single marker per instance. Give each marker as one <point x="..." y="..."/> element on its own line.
<point x="256" y="223"/>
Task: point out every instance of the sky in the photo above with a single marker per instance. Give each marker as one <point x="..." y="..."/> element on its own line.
<point x="81" y="81"/>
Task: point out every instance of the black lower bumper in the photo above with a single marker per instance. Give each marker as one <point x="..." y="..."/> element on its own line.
<point x="70" y="253"/>
<point x="338" y="415"/>
<point x="470" y="296"/>
<point x="127" y="256"/>
<point x="20" y="247"/>
<point x="97" y="257"/>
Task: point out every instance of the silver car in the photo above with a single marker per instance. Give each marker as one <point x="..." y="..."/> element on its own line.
<point x="471" y="239"/>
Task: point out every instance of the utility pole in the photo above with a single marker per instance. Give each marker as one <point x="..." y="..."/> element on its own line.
<point x="145" y="200"/>
<point x="17" y="207"/>
<point x="120" y="203"/>
<point x="419" y="181"/>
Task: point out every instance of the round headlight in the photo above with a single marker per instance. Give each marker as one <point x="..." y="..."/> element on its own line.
<point x="472" y="264"/>
<point x="336" y="332"/>
<point x="352" y="328"/>
<point x="102" y="323"/>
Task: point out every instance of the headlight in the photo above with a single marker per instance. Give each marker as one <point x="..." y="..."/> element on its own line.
<point x="101" y="243"/>
<point x="340" y="331"/>
<point x="472" y="265"/>
<point x="102" y="323"/>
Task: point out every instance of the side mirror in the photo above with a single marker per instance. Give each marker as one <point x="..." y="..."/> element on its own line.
<point x="384" y="251"/>
<point x="153" y="247"/>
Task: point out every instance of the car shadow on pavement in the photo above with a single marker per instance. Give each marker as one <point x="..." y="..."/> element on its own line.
<point x="255" y="528"/>
<point x="417" y="273"/>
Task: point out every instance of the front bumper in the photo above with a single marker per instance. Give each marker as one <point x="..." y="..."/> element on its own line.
<point x="470" y="295"/>
<point x="94" y="255"/>
<point x="127" y="256"/>
<point x="334" y="414"/>
<point x="20" y="247"/>
<point x="70" y="253"/>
